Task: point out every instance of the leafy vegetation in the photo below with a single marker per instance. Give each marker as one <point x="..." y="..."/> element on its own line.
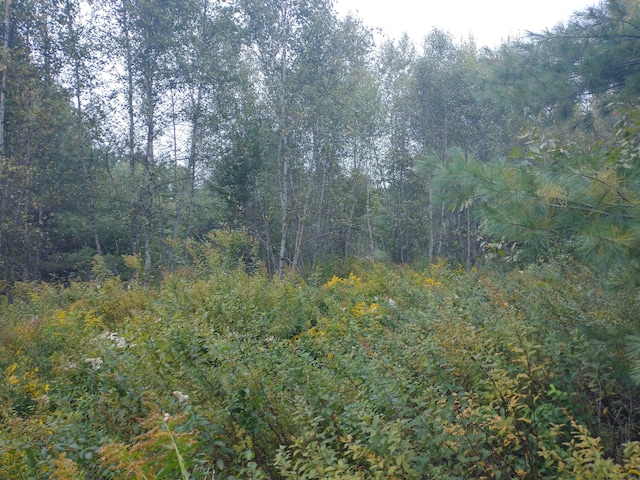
<point x="129" y="126"/>
<point x="583" y="197"/>
<point x="381" y="372"/>
<point x="198" y="201"/>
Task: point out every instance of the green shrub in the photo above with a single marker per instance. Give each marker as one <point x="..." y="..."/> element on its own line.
<point x="380" y="373"/>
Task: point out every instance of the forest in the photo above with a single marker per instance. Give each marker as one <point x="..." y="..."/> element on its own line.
<point x="129" y="127"/>
<point x="244" y="239"/>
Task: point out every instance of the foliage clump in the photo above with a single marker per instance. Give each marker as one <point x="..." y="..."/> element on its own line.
<point x="379" y="374"/>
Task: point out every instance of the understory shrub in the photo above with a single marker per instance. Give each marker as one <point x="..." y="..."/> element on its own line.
<point x="218" y="371"/>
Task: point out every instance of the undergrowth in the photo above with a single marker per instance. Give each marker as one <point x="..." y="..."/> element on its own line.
<point x="220" y="372"/>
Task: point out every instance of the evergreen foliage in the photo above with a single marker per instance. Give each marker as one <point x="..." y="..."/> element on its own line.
<point x="583" y="197"/>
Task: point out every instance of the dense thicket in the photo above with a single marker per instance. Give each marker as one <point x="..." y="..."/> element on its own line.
<point x="378" y="373"/>
<point x="130" y="125"/>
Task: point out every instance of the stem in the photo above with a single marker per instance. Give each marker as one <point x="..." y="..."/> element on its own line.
<point x="183" y="467"/>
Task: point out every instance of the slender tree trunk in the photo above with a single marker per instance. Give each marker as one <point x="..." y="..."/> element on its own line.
<point x="3" y="95"/>
<point x="318" y="160"/>
<point x="354" y="196"/>
<point x="468" y="237"/>
<point x="189" y="185"/>
<point x="284" y="205"/>
<point x="88" y="179"/>
<point x="442" y="229"/>
<point x="430" y="216"/>
<point x="149" y="168"/>
<point x="80" y="136"/>
<point x="27" y="201"/>
<point x="297" y="250"/>
<point x="177" y="181"/>
<point x="445" y="148"/>
<point x="131" y="140"/>
<point x="369" y="228"/>
<point x="282" y="144"/>
<point x="5" y="67"/>
<point x="271" y="261"/>
<point x="347" y="240"/>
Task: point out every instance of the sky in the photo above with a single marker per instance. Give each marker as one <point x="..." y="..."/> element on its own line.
<point x="489" y="21"/>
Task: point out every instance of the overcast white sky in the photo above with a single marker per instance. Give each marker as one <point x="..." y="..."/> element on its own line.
<point x="489" y="21"/>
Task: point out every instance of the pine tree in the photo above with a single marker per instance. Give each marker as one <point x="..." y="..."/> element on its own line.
<point x="586" y="197"/>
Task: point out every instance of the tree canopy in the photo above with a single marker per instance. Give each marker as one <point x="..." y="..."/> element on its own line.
<point x="129" y="127"/>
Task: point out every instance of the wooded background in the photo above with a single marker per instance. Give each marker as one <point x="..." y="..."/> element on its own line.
<point x="131" y="126"/>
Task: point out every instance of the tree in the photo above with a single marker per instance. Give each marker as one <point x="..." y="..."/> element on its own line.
<point x="435" y="104"/>
<point x="401" y="190"/>
<point x="4" y="66"/>
<point x="445" y="115"/>
<point x="81" y="53"/>
<point x="599" y="49"/>
<point x="308" y="65"/>
<point x="583" y="196"/>
<point x="272" y="30"/>
<point x="568" y="77"/>
<point x="36" y="178"/>
<point x="332" y="65"/>
<point x="151" y="40"/>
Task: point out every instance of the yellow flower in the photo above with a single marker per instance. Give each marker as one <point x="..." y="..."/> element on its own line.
<point x="333" y="281"/>
<point x="315" y="332"/>
<point x="91" y="321"/>
<point x="11" y="378"/>
<point x="361" y="308"/>
<point x="430" y="282"/>
<point x="32" y="389"/>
